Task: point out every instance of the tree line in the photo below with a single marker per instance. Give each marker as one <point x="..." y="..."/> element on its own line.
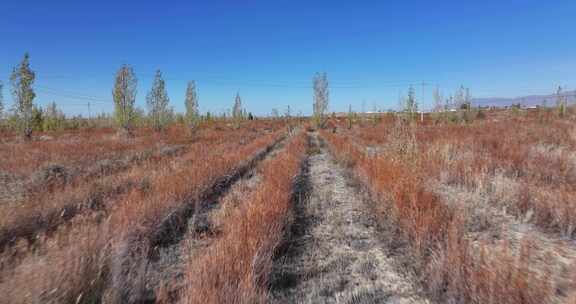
<point x="27" y="117"/>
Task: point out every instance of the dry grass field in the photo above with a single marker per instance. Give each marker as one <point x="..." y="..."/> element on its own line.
<point x="287" y="152"/>
<point x="386" y="211"/>
<point x="478" y="213"/>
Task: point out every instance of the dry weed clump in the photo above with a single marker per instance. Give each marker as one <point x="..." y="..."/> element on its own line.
<point x="235" y="268"/>
<point x="70" y="150"/>
<point x="78" y="149"/>
<point x="101" y="259"/>
<point x="156" y="219"/>
<point x="532" y="155"/>
<point x="440" y="250"/>
<point x="102" y="159"/>
<point x="539" y="156"/>
<point x="44" y="211"/>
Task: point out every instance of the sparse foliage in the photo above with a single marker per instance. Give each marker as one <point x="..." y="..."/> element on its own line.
<point x="561" y="103"/>
<point x="157" y="101"/>
<point x="543" y="111"/>
<point x="237" y="110"/>
<point x="54" y="119"/>
<point x="402" y="140"/>
<point x="37" y="119"/>
<point x="462" y="99"/>
<point x="350" y="117"/>
<point x="22" y="79"/>
<point x="439" y="105"/>
<point x="321" y="98"/>
<point x="462" y="104"/>
<point x="288" y="119"/>
<point x="439" y="110"/>
<point x="410" y="105"/>
<point x="124" y="95"/>
<point x="192" y="113"/>
<point x="274" y="113"/>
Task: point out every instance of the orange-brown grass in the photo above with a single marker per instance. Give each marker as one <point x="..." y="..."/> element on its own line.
<point x="90" y="256"/>
<point x="539" y="155"/>
<point x="74" y="149"/>
<point x="235" y="268"/>
<point x="37" y="220"/>
<point x="80" y="148"/>
<point x="440" y="251"/>
<point x="45" y="213"/>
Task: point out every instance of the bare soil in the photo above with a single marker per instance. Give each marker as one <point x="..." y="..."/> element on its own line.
<point x="335" y="254"/>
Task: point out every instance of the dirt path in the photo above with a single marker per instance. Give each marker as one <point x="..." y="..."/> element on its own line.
<point x="335" y="255"/>
<point x="165" y="269"/>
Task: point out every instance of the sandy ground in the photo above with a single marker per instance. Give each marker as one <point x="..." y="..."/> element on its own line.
<point x="335" y="255"/>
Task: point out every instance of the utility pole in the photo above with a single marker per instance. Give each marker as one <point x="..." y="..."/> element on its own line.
<point x="89" y="113"/>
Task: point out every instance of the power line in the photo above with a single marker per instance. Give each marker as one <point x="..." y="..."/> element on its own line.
<point x="57" y="92"/>
<point x="260" y="83"/>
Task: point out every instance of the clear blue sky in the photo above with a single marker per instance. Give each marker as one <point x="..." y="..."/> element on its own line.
<point x="269" y="50"/>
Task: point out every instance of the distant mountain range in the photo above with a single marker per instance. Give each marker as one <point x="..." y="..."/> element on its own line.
<point x="527" y="101"/>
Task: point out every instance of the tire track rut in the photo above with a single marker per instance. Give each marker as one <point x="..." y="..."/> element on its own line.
<point x="335" y="254"/>
<point x="192" y="230"/>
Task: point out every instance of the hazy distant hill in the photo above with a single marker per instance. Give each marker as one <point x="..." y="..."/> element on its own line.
<point x="531" y="100"/>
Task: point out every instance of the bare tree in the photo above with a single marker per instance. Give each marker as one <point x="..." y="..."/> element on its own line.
<point x="321" y="98"/>
<point x="191" y="102"/>
<point x="22" y="79"/>
<point x="124" y="95"/>
<point x="157" y="101"/>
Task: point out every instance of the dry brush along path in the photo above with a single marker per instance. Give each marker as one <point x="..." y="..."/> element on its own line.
<point x="52" y="178"/>
<point x="104" y="260"/>
<point x="28" y="228"/>
<point x="39" y="216"/>
<point x="236" y="266"/>
<point x="194" y="227"/>
<point x="335" y="254"/>
<point x="488" y="201"/>
<point x="433" y="235"/>
<point x="44" y="213"/>
<point x="491" y="226"/>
